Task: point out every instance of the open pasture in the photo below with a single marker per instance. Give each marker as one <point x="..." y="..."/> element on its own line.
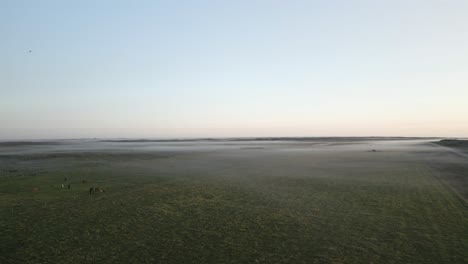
<point x="306" y="201"/>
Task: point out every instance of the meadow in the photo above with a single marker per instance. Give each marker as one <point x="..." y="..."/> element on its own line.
<point x="233" y="201"/>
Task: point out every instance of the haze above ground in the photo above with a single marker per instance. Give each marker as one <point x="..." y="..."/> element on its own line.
<point x="165" y="69"/>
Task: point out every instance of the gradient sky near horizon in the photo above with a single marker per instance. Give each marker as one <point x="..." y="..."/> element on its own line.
<point x="233" y="68"/>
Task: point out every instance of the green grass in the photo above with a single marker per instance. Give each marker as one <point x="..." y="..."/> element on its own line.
<point x="302" y="208"/>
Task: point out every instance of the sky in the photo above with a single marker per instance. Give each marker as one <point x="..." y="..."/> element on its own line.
<point x="172" y="69"/>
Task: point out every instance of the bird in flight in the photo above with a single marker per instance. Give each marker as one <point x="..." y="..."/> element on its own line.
<point x="29" y="51"/>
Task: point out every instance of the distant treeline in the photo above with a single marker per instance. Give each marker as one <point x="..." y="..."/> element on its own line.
<point x="27" y="143"/>
<point x="463" y="143"/>
<point x="267" y="139"/>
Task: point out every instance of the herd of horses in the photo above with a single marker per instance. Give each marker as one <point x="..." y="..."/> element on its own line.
<point x="91" y="190"/>
<point x="95" y="190"/>
<point x="67" y="185"/>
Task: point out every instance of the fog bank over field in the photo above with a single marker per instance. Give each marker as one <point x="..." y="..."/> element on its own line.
<point x="198" y="144"/>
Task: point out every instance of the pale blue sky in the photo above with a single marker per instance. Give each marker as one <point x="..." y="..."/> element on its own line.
<point x="233" y="68"/>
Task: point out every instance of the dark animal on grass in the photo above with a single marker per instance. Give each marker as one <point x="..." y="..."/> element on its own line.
<point x="68" y="186"/>
<point x="97" y="189"/>
<point x="91" y="190"/>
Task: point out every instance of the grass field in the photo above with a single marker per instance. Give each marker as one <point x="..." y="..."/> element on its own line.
<point x="221" y="202"/>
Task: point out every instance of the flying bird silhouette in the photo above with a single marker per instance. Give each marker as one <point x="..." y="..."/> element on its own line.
<point x="29" y="51"/>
